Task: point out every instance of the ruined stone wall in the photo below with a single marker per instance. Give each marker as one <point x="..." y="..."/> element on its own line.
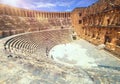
<point x="17" y="20"/>
<point x="100" y="24"/>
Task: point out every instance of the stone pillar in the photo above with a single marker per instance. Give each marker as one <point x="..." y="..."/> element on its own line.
<point x="39" y="14"/>
<point x="1" y="9"/>
<point x="33" y="13"/>
<point x="8" y="10"/>
<point x="63" y="15"/>
<point x="45" y="15"/>
<point x="70" y="14"/>
<point x="36" y="14"/>
<point x="56" y="15"/>
<point x="67" y="15"/>
<point x="26" y="13"/>
<point x="42" y="15"/>
<point x="5" y="11"/>
<point x="52" y="15"/>
<point x="59" y="14"/>
<point x="1" y="34"/>
<point x="114" y="38"/>
<point x="16" y="12"/>
<point x="29" y="12"/>
<point x="22" y="12"/>
<point x="48" y="15"/>
<point x="116" y="20"/>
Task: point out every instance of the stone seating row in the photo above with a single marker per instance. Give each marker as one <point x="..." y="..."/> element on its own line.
<point x="19" y="45"/>
<point x="10" y="25"/>
<point x="31" y="43"/>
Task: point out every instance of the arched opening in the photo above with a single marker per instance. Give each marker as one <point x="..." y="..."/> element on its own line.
<point x="107" y="39"/>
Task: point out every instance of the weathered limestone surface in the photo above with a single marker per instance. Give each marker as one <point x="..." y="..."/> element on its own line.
<point x="24" y="60"/>
<point x="100" y="23"/>
<point x="39" y="69"/>
<point x="13" y="11"/>
<point x="15" y="20"/>
<point x="37" y="42"/>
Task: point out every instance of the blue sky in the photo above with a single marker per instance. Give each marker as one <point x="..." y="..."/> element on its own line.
<point x="49" y="5"/>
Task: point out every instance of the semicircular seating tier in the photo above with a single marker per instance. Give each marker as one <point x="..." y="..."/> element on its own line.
<point x="37" y="42"/>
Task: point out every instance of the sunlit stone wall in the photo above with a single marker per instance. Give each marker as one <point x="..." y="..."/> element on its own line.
<point x="99" y="23"/>
<point x="17" y="20"/>
<point x="8" y="10"/>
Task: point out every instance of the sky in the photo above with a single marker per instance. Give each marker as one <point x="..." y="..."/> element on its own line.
<point x="49" y="5"/>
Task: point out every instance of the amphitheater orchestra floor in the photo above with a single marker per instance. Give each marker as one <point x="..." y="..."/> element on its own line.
<point x="78" y="62"/>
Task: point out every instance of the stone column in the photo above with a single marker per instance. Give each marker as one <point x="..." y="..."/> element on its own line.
<point x="42" y="14"/>
<point x="5" y="10"/>
<point x="45" y="15"/>
<point x="37" y="14"/>
<point x="1" y="34"/>
<point x="1" y="9"/>
<point x="8" y="10"/>
<point x="53" y="15"/>
<point x="20" y="13"/>
<point x="62" y="15"/>
<point x="15" y="12"/>
<point x="26" y="13"/>
<point x="33" y="14"/>
<point x="50" y="15"/>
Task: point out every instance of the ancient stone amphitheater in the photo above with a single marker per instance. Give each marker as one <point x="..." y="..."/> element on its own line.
<point x="27" y="38"/>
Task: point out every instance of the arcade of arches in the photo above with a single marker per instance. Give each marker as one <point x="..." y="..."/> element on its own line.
<point x="99" y="24"/>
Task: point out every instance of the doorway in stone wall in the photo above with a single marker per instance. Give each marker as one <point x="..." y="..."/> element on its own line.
<point x="107" y="39"/>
